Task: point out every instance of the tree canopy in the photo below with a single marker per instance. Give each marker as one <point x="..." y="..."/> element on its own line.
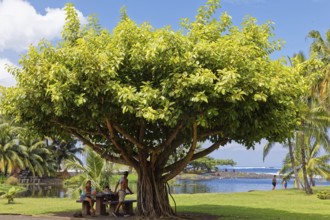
<point x="137" y="94"/>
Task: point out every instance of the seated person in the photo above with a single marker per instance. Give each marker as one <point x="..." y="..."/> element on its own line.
<point x="107" y="193"/>
<point x="107" y="190"/>
<point x="89" y="196"/>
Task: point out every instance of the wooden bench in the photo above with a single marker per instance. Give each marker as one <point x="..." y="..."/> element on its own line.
<point x="128" y="206"/>
<point x="101" y="208"/>
<point x="85" y="207"/>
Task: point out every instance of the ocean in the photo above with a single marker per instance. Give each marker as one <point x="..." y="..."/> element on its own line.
<point x="233" y="184"/>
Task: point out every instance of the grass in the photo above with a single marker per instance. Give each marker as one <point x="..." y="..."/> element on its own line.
<point x="279" y="204"/>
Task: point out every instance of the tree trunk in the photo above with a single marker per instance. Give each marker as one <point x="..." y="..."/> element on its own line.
<point x="152" y="195"/>
<point x="312" y="180"/>
<point x="293" y="163"/>
<point x="308" y="188"/>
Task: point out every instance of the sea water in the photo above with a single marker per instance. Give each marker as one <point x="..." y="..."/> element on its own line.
<point x="227" y="185"/>
<point x="260" y="170"/>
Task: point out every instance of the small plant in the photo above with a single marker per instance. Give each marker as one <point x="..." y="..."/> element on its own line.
<point x="323" y="195"/>
<point x="10" y="195"/>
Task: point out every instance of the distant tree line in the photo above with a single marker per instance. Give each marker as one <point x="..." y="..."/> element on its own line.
<point x="208" y="164"/>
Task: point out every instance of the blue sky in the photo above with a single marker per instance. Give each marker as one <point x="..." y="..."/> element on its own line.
<point x="25" y="22"/>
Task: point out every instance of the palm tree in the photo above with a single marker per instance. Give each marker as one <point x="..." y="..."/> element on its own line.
<point x="10" y="150"/>
<point x="314" y="109"/>
<point x="96" y="169"/>
<point x="38" y="159"/>
<point x="294" y="61"/>
<point x="293" y="161"/>
<point x="316" y="161"/>
<point x="317" y="164"/>
<point x="270" y="145"/>
<point x="64" y="150"/>
<point x="321" y="47"/>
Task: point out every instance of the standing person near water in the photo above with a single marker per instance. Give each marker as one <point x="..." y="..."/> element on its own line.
<point x="274" y="182"/>
<point x="285" y="183"/>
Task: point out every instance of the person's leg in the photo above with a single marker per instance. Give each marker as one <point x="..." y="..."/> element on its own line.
<point x="118" y="207"/>
<point x="92" y="209"/>
<point x="121" y="197"/>
<point x="90" y="202"/>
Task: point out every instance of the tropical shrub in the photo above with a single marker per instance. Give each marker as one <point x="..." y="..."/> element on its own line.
<point x="323" y="195"/>
<point x="96" y="169"/>
<point x="10" y="195"/>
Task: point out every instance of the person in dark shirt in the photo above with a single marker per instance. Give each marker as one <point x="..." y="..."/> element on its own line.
<point x="274" y="182"/>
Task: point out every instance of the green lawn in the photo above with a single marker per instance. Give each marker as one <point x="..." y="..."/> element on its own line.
<point x="278" y="204"/>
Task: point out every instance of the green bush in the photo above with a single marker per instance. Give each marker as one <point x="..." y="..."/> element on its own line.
<point x="10" y="195"/>
<point x="12" y="181"/>
<point x="323" y="195"/>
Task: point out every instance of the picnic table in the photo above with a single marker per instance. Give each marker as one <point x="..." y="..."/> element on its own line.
<point x="102" y="201"/>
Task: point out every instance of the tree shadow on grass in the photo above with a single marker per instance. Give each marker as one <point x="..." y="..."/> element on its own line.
<point x="219" y="212"/>
<point x="225" y="212"/>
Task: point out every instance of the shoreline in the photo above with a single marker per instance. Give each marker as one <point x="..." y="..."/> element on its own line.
<point x="225" y="175"/>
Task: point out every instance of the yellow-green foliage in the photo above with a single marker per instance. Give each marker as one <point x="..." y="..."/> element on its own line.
<point x="12" y="181"/>
<point x="10" y="195"/>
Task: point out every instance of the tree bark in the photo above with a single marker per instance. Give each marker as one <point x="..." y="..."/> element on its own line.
<point x="153" y="200"/>
<point x="292" y="158"/>
<point x="308" y="188"/>
<point x="312" y="180"/>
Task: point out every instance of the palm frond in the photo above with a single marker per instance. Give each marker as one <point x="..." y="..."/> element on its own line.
<point x="268" y="146"/>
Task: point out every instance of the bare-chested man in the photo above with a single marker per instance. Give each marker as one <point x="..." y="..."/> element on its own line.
<point x="123" y="182"/>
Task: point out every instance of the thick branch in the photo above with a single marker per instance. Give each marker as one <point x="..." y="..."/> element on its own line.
<point x="124" y="154"/>
<point x="165" y="155"/>
<point x="142" y="131"/>
<point x="209" y="133"/>
<point x="170" y="138"/>
<point x="198" y="155"/>
<point x="98" y="149"/>
<point x="75" y="128"/>
<point x="210" y="149"/>
<point x="128" y="137"/>
<point x="183" y="163"/>
<point x="160" y="148"/>
<point x="163" y="158"/>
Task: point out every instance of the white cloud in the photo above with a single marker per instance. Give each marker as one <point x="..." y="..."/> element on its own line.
<point x="6" y="79"/>
<point x="21" y="25"/>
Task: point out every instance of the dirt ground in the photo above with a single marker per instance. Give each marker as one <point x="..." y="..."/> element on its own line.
<point x="185" y="216"/>
<point x="71" y="216"/>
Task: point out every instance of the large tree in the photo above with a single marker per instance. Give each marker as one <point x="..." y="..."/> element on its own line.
<point x="137" y="94"/>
